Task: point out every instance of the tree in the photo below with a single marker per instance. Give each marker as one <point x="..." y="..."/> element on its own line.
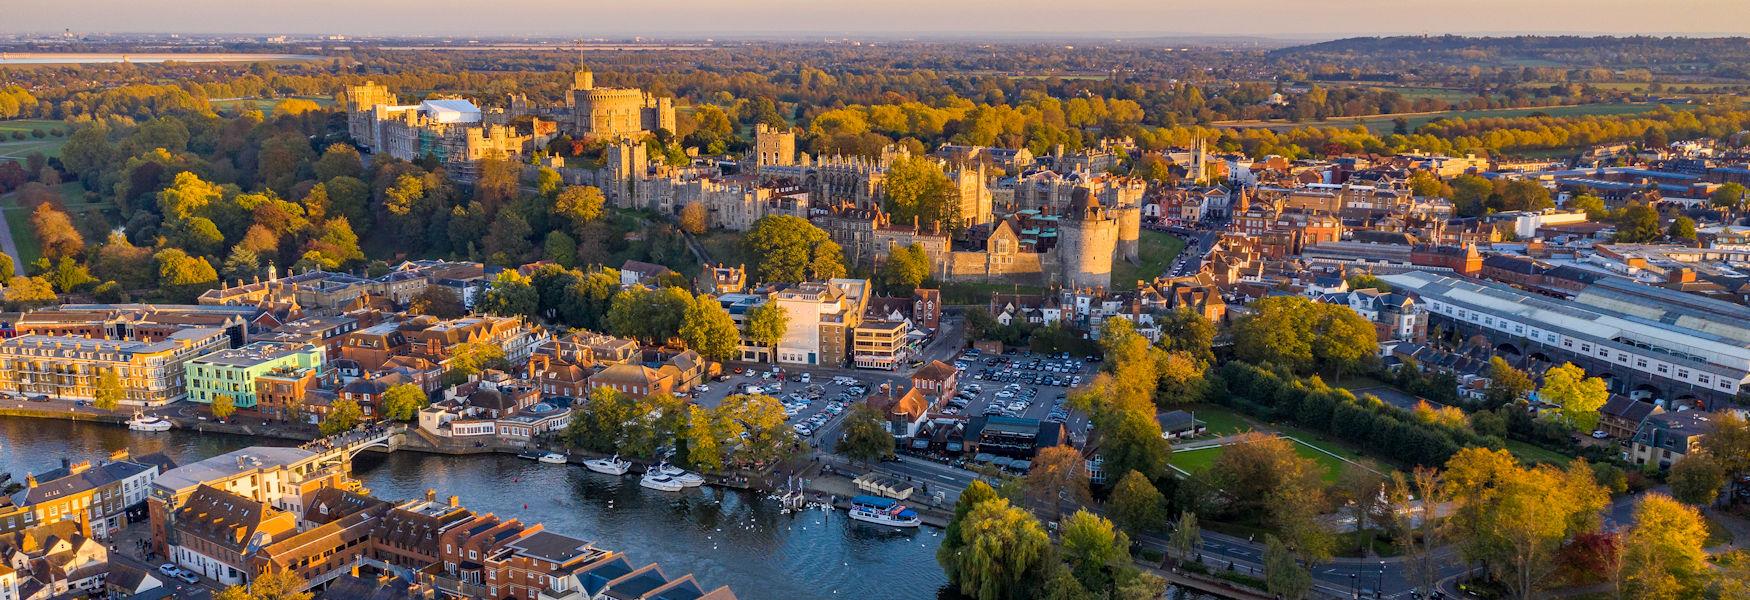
<point x="507" y="239"/>
<point x="1136" y="505"/>
<point x="709" y="329"/>
<point x="1358" y="494"/>
<point x="1368" y="281"/>
<point x="1507" y="384"/>
<point x="916" y="188"/>
<point x="511" y="295"/>
<point x="1263" y="475"/>
<point x="1697" y="479"/>
<point x="766" y="325"/>
<point x="1525" y="194"/>
<point x="1577" y="396"/>
<point x="343" y="415"/>
<point x="338" y="160"/>
<point x="223" y="406"/>
<point x="579" y="204"/>
<point x="707" y="438"/>
<point x="1592" y="205"/>
<point x="109" y="392"/>
<point x="1283" y="574"/>
<point x="1682" y="229"/>
<point x="471" y="357"/>
<point x="866" y="437"/>
<point x="1187" y="537"/>
<point x="1058" y="473"/>
<point x="1132" y="442"/>
<point x="8" y="267"/>
<point x="1002" y="552"/>
<point x="437" y="301"/>
<point x="769" y="436"/>
<point x="1094" y="550"/>
<point x="949" y="553"/>
<point x="272" y="585"/>
<point x="1515" y="519"/>
<point x="1662" y="553"/>
<point x="792" y="250"/>
<point x="24" y="292"/>
<point x="403" y="401"/>
<point x="1418" y="530"/>
<point x="1638" y="223"/>
<point x="1295" y="332"/>
<point x="55" y="232"/>
<point x="1731" y="196"/>
<point x="906" y="269"/>
<point x="1184" y="330"/>
<point x="694" y="219"/>
<point x="1728" y="441"/>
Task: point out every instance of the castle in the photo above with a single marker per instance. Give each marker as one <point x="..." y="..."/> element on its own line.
<point x="608" y="113"/>
<point x="453" y="131"/>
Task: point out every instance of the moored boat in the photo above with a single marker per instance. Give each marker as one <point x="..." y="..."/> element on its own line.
<point x="883" y="511"/>
<point x="553" y="458"/>
<point x="685" y="477"/>
<point x="141" y="422"/>
<point x="657" y="481"/>
<point x="531" y="454"/>
<point x="609" y="466"/>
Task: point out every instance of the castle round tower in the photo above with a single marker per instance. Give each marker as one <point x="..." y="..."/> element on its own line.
<point x="1087" y="239"/>
<point x="1129" y="231"/>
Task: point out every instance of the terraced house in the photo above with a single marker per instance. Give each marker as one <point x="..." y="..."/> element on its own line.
<point x="68" y="367"/>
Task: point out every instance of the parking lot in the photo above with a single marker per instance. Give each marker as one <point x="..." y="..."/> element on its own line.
<point x="1022" y="385"/>
<point x="814" y="402"/>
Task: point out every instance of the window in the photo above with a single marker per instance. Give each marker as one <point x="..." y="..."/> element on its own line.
<point x="1641" y="362"/>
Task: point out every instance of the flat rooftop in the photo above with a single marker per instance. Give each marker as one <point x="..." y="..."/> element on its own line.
<point x="231" y="464"/>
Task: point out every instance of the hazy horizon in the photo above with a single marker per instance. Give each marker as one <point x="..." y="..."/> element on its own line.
<point x="1286" y="19"/>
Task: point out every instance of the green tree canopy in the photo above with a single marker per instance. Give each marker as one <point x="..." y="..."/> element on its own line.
<point x="792" y="250"/>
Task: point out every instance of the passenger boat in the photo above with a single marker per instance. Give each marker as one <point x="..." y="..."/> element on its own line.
<point x="610" y="466"/>
<point x="553" y="458"/>
<point x="883" y="511"/>
<point x="685" y="477"/>
<point x="141" y="422"/>
<point x="657" y="481"/>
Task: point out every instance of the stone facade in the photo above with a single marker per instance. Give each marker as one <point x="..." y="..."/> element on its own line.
<point x="607" y="113"/>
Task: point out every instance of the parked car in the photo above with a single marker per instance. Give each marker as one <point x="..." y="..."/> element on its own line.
<point x="188" y="577"/>
<point x="169" y="569"/>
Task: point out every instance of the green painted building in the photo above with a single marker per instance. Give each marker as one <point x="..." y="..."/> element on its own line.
<point x="233" y="372"/>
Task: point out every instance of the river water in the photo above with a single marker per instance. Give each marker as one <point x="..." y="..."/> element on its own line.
<point x="722" y="537"/>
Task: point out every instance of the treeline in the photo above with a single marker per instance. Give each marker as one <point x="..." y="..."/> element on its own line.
<point x="1379" y="428"/>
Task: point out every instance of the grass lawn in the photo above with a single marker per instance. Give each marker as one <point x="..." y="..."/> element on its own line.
<point x="19" y="149"/>
<point x="1199" y="460"/>
<point x="1155" y="251"/>
<point x="1537" y="454"/>
<point x="1220" y="421"/>
<point x="265" y="105"/>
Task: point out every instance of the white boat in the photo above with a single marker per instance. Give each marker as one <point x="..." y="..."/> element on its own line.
<point x="685" y="477"/>
<point x="141" y="422"/>
<point x="553" y="458"/>
<point x="610" y="466"/>
<point x="883" y="511"/>
<point x="658" y="481"/>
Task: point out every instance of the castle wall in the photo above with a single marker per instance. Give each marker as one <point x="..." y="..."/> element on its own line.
<point x="1085" y="249"/>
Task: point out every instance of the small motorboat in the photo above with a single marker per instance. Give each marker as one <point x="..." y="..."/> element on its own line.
<point x="531" y="454"/>
<point x="657" y="481"/>
<point x="685" y="477"/>
<point x="609" y="466"/>
<point x="883" y="511"/>
<point x="553" y="458"/>
<point x="141" y="422"/>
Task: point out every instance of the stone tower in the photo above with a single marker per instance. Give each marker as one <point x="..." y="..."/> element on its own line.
<point x="1129" y="216"/>
<point x="628" y="162"/>
<point x="773" y="147"/>
<point x="1200" y="163"/>
<point x="1087" y="238"/>
<point x="975" y="195"/>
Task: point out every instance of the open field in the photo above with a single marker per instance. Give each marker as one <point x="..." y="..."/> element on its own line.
<point x="1219" y="421"/>
<point x="14" y="149"/>
<point x="1155" y="251"/>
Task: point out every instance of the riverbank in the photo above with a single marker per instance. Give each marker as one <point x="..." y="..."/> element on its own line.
<point x="722" y="535"/>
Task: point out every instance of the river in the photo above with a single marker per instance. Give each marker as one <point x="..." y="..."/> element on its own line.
<point x="722" y="537"/>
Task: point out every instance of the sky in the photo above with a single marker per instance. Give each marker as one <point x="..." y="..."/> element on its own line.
<point x="1297" y="19"/>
